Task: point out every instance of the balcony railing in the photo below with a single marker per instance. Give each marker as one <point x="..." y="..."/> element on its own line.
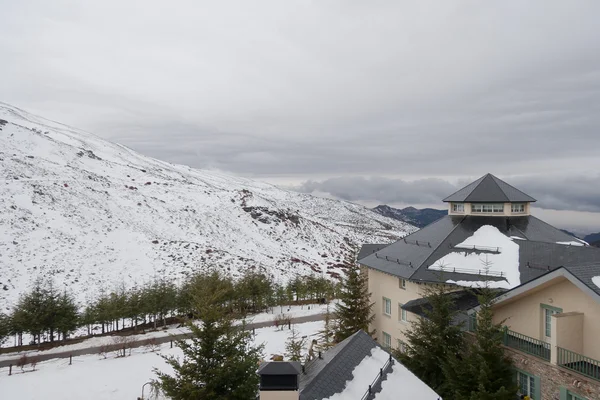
<point x="527" y="344"/>
<point x="578" y="363"/>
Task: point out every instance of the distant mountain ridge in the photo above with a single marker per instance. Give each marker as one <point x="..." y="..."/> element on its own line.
<point x="411" y="215"/>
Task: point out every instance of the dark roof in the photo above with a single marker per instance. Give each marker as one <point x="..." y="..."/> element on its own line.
<point x="489" y="189"/>
<point x="410" y="257"/>
<point x="327" y="376"/>
<point x="280" y="368"/>
<point x="368" y="249"/>
<point x="464" y="300"/>
<point x="585" y="272"/>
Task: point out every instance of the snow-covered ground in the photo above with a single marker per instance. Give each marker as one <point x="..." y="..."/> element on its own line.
<point x="95" y="378"/>
<point x="93" y="214"/>
<point x="503" y="259"/>
<point x="291" y="311"/>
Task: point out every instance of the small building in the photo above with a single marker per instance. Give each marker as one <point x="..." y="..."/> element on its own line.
<point x="357" y="368"/>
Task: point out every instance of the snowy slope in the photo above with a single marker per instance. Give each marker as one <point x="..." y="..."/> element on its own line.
<point x="91" y="213"/>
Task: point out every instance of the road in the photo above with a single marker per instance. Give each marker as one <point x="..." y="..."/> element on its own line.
<point x="143" y="342"/>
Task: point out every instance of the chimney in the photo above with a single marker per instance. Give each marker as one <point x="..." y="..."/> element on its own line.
<point x="279" y="380"/>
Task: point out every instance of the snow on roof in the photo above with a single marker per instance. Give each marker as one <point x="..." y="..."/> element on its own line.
<point x="596" y="281"/>
<point x="363" y="375"/>
<point x="401" y="380"/>
<point x="573" y="243"/>
<point x="500" y="252"/>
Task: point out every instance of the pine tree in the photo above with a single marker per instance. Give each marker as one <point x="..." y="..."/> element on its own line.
<point x="482" y="371"/>
<point x="219" y="360"/>
<point x="354" y="311"/>
<point x="294" y="345"/>
<point x="5" y="327"/>
<point x="67" y="316"/>
<point x="432" y="339"/>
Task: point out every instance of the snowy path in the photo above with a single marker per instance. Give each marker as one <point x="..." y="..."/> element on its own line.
<point x="94" y="345"/>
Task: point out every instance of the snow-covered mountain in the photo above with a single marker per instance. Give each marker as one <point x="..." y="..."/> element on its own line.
<point x="91" y="213"/>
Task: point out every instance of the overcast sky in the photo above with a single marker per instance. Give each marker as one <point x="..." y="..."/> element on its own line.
<point x="392" y="102"/>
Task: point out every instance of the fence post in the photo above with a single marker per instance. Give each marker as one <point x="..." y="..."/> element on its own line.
<point x="171" y="343"/>
<point x="70" y="359"/>
<point x="505" y="335"/>
<point x="10" y="370"/>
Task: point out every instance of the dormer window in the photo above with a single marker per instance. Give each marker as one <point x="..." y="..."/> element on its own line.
<point x="487" y="208"/>
<point x="458" y="207"/>
<point x="518" y="208"/>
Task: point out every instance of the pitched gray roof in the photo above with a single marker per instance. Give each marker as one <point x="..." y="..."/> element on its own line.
<point x="368" y="249"/>
<point x="410" y="257"/>
<point x="585" y="272"/>
<point x="489" y="189"/>
<point x="326" y="377"/>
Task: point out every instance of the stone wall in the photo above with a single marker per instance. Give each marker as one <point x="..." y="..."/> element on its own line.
<point x="553" y="377"/>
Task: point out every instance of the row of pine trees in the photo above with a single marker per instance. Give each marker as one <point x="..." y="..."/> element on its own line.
<point x="48" y="314"/>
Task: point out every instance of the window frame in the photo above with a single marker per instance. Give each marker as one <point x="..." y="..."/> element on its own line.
<point x="487" y="208"/>
<point x="387" y="302"/>
<point x="547" y="319"/>
<point x="522" y="208"/>
<point x="386" y="343"/>
<point x="458" y="207"/>
<point x="534" y="394"/>
<point x="402" y="313"/>
<point x="402" y="283"/>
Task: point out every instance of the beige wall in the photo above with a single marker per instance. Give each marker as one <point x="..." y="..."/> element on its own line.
<point x="507" y="211"/>
<point x="524" y="313"/>
<point x="385" y="285"/>
<point x="567" y="332"/>
<point x="279" y="395"/>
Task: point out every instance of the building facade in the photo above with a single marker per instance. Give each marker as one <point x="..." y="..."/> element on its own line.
<point x="490" y="236"/>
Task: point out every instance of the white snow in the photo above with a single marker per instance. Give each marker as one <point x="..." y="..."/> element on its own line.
<point x="573" y="243"/>
<point x="596" y="281"/>
<point x="90" y="213"/>
<point x="363" y="375"/>
<point x="517" y="238"/>
<point x="92" y="377"/>
<point x="505" y="263"/>
<point x="401" y="380"/>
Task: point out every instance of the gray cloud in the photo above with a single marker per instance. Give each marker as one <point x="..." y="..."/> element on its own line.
<point x="560" y="192"/>
<point x="311" y="90"/>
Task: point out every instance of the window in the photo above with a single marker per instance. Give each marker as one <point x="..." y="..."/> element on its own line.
<point x="517" y="208"/>
<point x="487" y="208"/>
<point x="401" y="313"/>
<point x="387" y="306"/>
<point x="529" y="385"/>
<point x="473" y="322"/>
<point x="401" y="346"/>
<point x="387" y="340"/>
<point x="566" y="394"/>
<point x="458" y="207"/>
<point x="547" y="312"/>
<point x="402" y="283"/>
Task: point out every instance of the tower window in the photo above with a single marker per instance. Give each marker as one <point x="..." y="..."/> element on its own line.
<point x="487" y="208"/>
<point x="517" y="208"/>
<point x="458" y="207"/>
